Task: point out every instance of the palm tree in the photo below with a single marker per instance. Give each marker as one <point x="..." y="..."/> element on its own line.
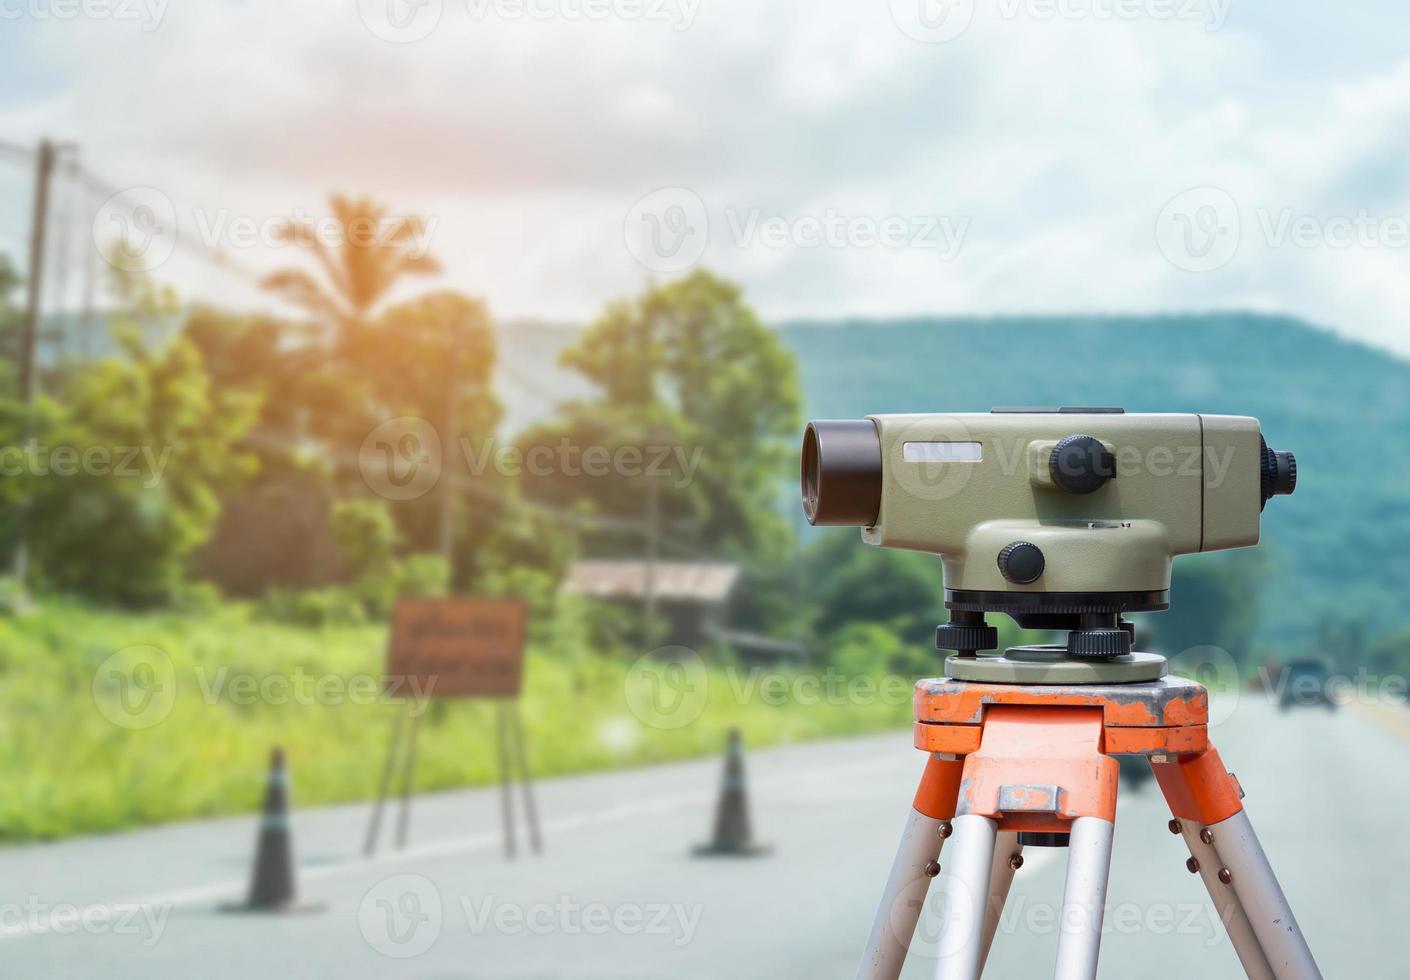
<point x="359" y="272"/>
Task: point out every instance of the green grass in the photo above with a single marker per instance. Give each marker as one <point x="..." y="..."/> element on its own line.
<point x="73" y="763"/>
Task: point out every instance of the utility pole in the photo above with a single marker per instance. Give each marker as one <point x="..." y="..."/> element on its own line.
<point x="34" y="287"/>
<point x="34" y="295"/>
<point x="450" y="455"/>
<point x="653" y="532"/>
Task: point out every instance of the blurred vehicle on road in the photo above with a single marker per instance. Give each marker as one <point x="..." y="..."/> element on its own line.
<point x="1305" y="685"/>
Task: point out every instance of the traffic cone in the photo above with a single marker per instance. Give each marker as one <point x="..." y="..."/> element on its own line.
<point x="732" y="833"/>
<point x="272" y="886"/>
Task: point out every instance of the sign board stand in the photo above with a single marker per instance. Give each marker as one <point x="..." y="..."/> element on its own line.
<point x="459" y="648"/>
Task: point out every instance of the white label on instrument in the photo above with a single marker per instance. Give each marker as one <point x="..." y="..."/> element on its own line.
<point x="941" y="452"/>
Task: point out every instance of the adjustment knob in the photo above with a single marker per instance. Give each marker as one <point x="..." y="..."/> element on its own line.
<point x="1081" y="464"/>
<point x="966" y="636"/>
<point x="1098" y="644"/>
<point x="1021" y="562"/>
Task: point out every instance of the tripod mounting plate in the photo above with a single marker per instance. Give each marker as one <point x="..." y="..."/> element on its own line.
<point x="1168" y="716"/>
<point x="1049" y="664"/>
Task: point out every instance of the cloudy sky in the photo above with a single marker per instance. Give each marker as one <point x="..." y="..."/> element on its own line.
<point x="849" y="157"/>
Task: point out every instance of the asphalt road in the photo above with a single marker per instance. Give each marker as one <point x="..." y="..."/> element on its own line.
<point x="616" y="895"/>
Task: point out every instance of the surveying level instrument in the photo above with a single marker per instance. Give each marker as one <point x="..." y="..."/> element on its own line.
<point x="1064" y="519"/>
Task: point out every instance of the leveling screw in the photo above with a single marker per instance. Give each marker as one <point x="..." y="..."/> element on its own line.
<point x="932" y="869"/>
<point x="1016" y="861"/>
<point x="946" y="830"/>
<point x="1225" y="875"/>
<point x="1206" y="836"/>
<point x="1174" y="826"/>
<point x="1193" y="865"/>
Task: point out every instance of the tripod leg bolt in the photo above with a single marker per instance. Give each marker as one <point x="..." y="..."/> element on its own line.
<point x="1206" y="836"/>
<point x="1175" y="827"/>
<point x="1016" y="861"/>
<point x="1225" y="875"/>
<point x="932" y="869"/>
<point x="1193" y="865"/>
<point x="946" y="829"/>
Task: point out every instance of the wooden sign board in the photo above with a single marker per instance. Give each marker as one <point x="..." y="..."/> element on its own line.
<point x="458" y="647"/>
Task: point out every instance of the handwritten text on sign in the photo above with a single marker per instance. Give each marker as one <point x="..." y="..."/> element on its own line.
<point x="459" y="647"/>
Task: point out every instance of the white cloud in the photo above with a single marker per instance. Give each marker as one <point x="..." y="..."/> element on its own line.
<point x="1057" y="140"/>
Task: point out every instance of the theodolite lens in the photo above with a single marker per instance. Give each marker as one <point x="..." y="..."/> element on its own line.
<point x="1278" y="474"/>
<point x="842" y="472"/>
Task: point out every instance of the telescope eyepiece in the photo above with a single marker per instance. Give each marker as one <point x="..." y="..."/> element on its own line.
<point x="841" y="472"/>
<point x="1277" y="475"/>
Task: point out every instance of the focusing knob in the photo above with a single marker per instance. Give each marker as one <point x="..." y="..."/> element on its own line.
<point x="1081" y="464"/>
<point x="1021" y="562"/>
<point x="1277" y="473"/>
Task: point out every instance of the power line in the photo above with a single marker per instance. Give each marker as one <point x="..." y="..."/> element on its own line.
<point x="15" y="150"/>
<point x="210" y="255"/>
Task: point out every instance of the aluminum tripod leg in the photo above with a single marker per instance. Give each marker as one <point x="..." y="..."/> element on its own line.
<point x="1084" y="898"/>
<point x="965" y="892"/>
<point x="1008" y="854"/>
<point x="903" y="900"/>
<point x="1226" y="903"/>
<point x="1207" y="802"/>
<point x="916" y="861"/>
<point x="1267" y="909"/>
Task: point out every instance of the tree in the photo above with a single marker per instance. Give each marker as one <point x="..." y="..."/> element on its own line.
<point x="1215" y="600"/>
<point x="148" y="447"/>
<point x="433" y="358"/>
<point x="375" y="253"/>
<point x="856" y="583"/>
<point x="688" y="367"/>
